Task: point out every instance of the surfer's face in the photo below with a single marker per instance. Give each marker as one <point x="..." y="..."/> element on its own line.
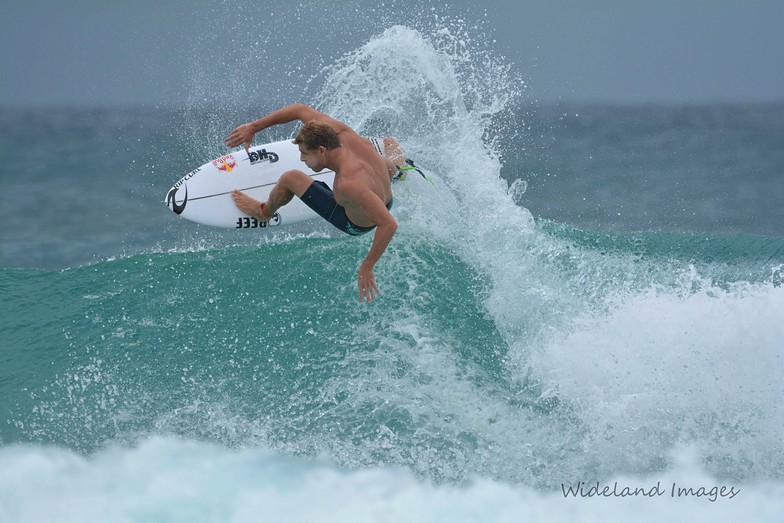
<point x="315" y="159"/>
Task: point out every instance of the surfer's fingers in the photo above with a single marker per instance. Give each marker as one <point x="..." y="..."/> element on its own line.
<point x="364" y="292"/>
<point x="237" y="137"/>
<point x="372" y="290"/>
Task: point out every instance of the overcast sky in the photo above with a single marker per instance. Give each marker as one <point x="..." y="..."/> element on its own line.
<point x="84" y="52"/>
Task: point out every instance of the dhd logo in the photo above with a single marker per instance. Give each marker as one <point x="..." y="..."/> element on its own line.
<point x="262" y="156"/>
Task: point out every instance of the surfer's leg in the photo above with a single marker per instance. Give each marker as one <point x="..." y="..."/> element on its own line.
<point x="291" y="183"/>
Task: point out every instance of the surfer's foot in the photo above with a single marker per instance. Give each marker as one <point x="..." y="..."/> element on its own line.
<point x="250" y="206"/>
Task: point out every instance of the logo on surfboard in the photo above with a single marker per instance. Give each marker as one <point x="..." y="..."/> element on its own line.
<point x="225" y="163"/>
<point x="171" y="200"/>
<point x="262" y="156"/>
<point x="248" y="222"/>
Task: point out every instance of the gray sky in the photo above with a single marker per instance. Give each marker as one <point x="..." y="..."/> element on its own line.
<point x="84" y="52"/>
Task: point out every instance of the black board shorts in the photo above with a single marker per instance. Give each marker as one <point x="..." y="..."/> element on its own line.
<point x="321" y="199"/>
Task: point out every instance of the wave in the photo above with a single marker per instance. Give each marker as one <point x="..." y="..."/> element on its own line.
<point x="241" y="347"/>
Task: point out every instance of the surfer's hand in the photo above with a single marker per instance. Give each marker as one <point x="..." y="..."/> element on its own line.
<point x="367" y="283"/>
<point x="242" y="135"/>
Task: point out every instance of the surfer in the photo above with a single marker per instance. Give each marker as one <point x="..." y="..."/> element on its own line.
<point x="362" y="194"/>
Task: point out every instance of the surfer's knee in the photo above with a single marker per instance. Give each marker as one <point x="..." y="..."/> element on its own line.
<point x="295" y="181"/>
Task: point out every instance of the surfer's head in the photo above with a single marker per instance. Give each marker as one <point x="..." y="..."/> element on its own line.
<point x="314" y="140"/>
<point x="316" y="134"/>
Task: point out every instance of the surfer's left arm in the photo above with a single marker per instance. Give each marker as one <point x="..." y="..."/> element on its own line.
<point x="386" y="225"/>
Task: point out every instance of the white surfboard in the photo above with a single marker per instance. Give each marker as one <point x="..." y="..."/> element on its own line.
<point x="204" y="194"/>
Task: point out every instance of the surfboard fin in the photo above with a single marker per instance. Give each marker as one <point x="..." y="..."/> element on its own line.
<point x="402" y="172"/>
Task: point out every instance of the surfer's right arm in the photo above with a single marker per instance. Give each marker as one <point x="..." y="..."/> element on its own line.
<point x="243" y="135"/>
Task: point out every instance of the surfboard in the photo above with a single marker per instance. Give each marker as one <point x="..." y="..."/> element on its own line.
<point x="204" y="194"/>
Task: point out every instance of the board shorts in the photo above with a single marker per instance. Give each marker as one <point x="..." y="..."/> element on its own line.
<point x="321" y="199"/>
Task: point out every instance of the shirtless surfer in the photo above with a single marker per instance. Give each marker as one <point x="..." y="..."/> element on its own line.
<point x="362" y="193"/>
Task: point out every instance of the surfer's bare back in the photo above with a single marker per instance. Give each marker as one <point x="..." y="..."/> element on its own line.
<point x="362" y="195"/>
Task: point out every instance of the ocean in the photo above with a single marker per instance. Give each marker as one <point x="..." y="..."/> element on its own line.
<point x="580" y="319"/>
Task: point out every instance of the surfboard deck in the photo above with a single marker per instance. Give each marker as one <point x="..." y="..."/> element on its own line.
<point x="204" y="194"/>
